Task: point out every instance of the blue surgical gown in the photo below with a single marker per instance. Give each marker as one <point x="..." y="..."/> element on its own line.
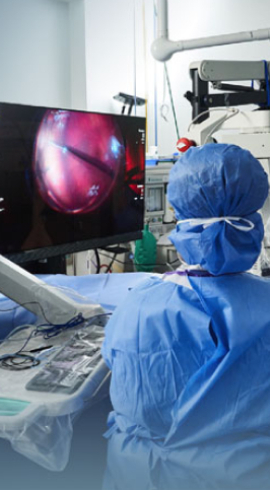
<point x="190" y="385"/>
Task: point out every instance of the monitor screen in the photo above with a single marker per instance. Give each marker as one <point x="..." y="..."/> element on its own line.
<point x="69" y="180"/>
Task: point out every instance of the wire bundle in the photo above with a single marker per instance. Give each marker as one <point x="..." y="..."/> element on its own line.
<point x="23" y="359"/>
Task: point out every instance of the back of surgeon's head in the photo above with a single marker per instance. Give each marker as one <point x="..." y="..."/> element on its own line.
<point x="218" y="181"/>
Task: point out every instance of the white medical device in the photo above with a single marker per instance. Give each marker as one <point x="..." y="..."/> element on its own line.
<point x="157" y="210"/>
<point x="213" y="112"/>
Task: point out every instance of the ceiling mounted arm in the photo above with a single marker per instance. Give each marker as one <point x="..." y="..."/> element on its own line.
<point x="162" y="48"/>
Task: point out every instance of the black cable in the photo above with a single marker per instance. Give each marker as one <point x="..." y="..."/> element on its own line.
<point x="97" y="260"/>
<point x="9" y="362"/>
<point x="111" y="263"/>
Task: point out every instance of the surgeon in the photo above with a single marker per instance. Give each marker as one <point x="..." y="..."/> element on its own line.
<point x="190" y="351"/>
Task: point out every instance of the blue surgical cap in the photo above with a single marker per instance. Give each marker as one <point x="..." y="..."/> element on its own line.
<point x="218" y="180"/>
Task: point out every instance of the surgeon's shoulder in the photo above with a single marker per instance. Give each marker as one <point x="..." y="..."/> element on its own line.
<point x="157" y="287"/>
<point x="145" y="305"/>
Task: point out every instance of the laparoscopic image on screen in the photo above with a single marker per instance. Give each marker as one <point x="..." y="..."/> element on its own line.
<point x="68" y="177"/>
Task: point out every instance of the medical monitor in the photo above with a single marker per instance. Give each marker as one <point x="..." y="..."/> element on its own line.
<point x="69" y="180"/>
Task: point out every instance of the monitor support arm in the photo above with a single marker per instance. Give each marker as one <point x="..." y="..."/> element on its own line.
<point x="35" y="295"/>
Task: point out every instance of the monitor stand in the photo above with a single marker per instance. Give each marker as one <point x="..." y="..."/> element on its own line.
<point x="51" y="265"/>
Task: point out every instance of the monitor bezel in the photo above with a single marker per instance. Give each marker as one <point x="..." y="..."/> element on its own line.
<point x="43" y="253"/>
